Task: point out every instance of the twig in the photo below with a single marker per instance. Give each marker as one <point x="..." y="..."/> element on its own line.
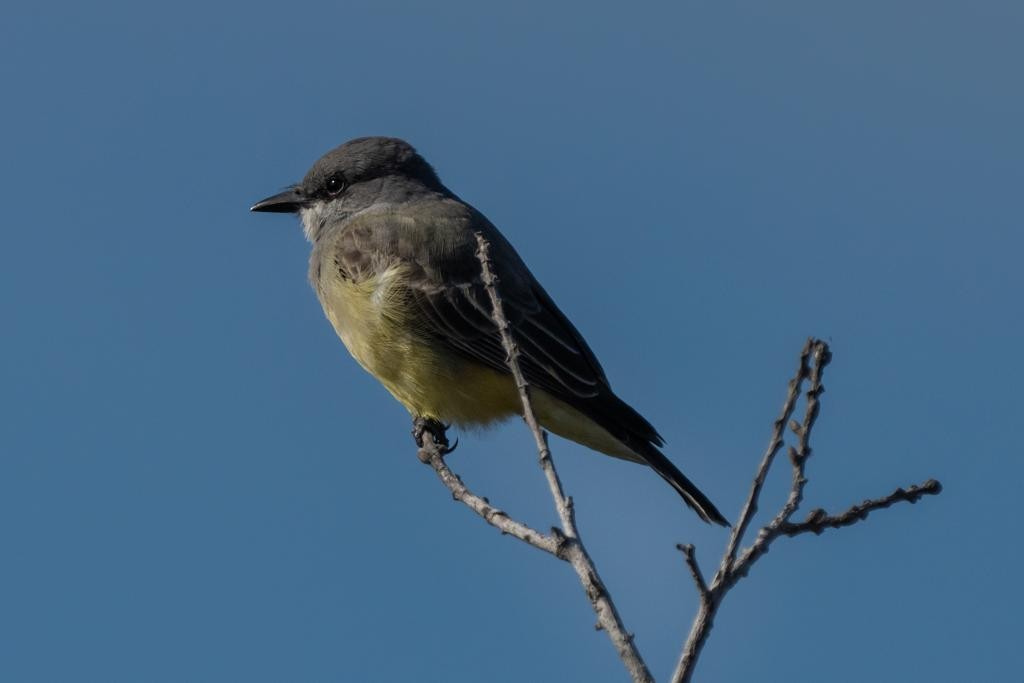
<point x="432" y="454"/>
<point x="698" y="576"/>
<point x="774" y="444"/>
<point x="571" y="547"/>
<point x="818" y="520"/>
<point x="562" y="504"/>
<point x="735" y="565"/>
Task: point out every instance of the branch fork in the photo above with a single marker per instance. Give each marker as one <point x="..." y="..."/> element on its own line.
<point x="736" y="564"/>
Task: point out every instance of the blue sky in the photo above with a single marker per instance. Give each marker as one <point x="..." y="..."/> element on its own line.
<point x="197" y="483"/>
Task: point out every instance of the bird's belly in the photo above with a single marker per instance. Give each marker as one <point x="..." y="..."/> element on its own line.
<point x="372" y="319"/>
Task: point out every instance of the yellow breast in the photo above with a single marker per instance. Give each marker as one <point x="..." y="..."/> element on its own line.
<point x="374" y="321"/>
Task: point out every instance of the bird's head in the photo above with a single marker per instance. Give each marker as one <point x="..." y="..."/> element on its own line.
<point x="352" y="177"/>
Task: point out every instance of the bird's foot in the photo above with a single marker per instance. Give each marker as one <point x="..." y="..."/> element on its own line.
<point x="431" y="437"/>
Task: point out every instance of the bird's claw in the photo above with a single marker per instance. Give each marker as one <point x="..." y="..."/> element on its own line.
<point x="424" y="428"/>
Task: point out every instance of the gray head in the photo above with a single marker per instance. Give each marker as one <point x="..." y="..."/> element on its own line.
<point x="358" y="174"/>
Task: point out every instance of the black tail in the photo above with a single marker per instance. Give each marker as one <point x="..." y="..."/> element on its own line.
<point x="628" y="426"/>
<point x="692" y="495"/>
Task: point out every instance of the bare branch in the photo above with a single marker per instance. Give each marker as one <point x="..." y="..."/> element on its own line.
<point x="433" y="455"/>
<point x="818" y="520"/>
<point x="571" y="548"/>
<point x="814" y="356"/>
<point x="798" y="456"/>
<point x="490" y="280"/>
<point x="698" y="576"/>
<point x="774" y="444"/>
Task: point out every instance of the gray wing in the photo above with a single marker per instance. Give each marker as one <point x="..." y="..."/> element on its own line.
<point x="436" y="240"/>
<point x="553" y="355"/>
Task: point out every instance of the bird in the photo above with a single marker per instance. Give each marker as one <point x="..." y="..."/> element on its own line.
<point x="395" y="268"/>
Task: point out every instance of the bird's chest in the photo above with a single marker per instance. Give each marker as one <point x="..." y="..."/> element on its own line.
<point x="369" y="316"/>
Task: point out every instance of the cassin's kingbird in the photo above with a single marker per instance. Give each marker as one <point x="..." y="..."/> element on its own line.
<point x="395" y="268"/>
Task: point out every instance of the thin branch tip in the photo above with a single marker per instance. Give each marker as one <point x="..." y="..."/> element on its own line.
<point x="690" y="556"/>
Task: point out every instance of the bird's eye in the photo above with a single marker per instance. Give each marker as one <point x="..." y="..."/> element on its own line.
<point x="335" y="184"/>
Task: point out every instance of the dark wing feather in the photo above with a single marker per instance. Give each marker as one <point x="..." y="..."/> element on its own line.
<point x="446" y="289"/>
<point x="455" y="316"/>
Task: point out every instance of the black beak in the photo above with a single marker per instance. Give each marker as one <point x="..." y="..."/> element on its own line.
<point x="289" y="201"/>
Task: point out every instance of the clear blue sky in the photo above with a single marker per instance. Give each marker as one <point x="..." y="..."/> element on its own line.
<point x="197" y="483"/>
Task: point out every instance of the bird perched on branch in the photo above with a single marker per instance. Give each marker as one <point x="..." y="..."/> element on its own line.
<point x="395" y="268"/>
